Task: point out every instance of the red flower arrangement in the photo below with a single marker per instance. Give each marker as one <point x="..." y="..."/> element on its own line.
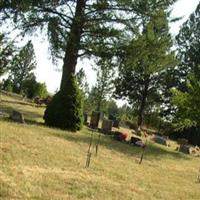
<point x="120" y="136"/>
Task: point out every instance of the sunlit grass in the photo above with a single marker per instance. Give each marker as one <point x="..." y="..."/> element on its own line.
<point x="43" y="163"/>
<point x="30" y="111"/>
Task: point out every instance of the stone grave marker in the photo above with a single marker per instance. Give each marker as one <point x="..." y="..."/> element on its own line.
<point x="94" y="121"/>
<point x="17" y="117"/>
<point x="160" y="140"/>
<point x="107" y="126"/>
<point x="184" y="149"/>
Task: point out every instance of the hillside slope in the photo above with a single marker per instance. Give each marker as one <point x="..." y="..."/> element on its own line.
<point x="43" y="163"/>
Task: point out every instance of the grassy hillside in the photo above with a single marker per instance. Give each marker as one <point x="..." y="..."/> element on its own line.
<point x="42" y="163"/>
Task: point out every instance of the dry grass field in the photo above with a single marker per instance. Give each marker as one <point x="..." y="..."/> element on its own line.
<point x="41" y="163"/>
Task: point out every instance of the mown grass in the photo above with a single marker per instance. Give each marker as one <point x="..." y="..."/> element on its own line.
<point x="31" y="112"/>
<point x="43" y="163"/>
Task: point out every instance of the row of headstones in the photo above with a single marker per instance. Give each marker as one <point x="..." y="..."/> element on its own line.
<point x="183" y="145"/>
<point x="106" y="124"/>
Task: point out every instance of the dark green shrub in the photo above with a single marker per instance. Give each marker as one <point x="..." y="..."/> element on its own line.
<point x="65" y="110"/>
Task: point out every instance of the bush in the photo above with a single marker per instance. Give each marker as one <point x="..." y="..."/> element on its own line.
<point x="65" y="110"/>
<point x="7" y="85"/>
<point x="31" y="88"/>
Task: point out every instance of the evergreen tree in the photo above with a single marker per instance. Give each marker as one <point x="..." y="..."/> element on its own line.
<point x="144" y="59"/>
<point x="104" y="86"/>
<point x="187" y="102"/>
<point x="7" y="51"/>
<point x="188" y="43"/>
<point x="22" y="66"/>
<point x="82" y="82"/>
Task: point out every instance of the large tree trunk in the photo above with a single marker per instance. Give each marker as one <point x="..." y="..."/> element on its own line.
<point x="73" y="44"/>
<point x="65" y="109"/>
<point x="143" y="103"/>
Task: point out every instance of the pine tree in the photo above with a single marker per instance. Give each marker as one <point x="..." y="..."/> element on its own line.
<point x="7" y="50"/>
<point x="144" y="59"/>
<point x="22" y="66"/>
<point x="187" y="101"/>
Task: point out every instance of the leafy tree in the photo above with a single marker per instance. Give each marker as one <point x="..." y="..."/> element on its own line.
<point x="187" y="101"/>
<point x="188" y="43"/>
<point x="188" y="104"/>
<point x="172" y="77"/>
<point x="76" y="28"/>
<point x="22" y="67"/>
<point x="82" y="82"/>
<point x="7" y="85"/>
<point x="31" y="88"/>
<point x="104" y="85"/>
<point x="7" y="50"/>
<point x="144" y="59"/>
<point x="41" y="90"/>
<point x="112" y="109"/>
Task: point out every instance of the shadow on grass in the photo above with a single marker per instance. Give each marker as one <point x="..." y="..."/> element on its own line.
<point x="30" y="115"/>
<point x="27" y="121"/>
<point x="18" y="102"/>
<point x="33" y="122"/>
<point x="152" y="151"/>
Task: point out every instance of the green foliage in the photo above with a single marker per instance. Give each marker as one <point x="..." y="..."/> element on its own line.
<point x="65" y="111"/>
<point x="7" y="85"/>
<point x="31" y="88"/>
<point x="188" y="41"/>
<point x="82" y="82"/>
<point x="144" y="59"/>
<point x="112" y="108"/>
<point x="22" y="66"/>
<point x="104" y="84"/>
<point x="41" y="90"/>
<point x="7" y="50"/>
<point x="188" y="105"/>
<point x="188" y="101"/>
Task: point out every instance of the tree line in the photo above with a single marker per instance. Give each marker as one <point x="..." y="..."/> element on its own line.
<point x="18" y="64"/>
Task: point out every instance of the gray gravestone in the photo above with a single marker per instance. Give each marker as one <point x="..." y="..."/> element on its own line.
<point x="107" y="125"/>
<point x="184" y="149"/>
<point x="161" y="140"/>
<point x="94" y="121"/>
<point x="17" y="117"/>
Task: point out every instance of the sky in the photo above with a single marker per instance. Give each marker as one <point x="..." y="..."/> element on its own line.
<point x="51" y="75"/>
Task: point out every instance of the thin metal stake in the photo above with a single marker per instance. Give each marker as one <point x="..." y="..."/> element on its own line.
<point x="97" y="144"/>
<point x="89" y="154"/>
<point x="198" y="177"/>
<point x="142" y="155"/>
